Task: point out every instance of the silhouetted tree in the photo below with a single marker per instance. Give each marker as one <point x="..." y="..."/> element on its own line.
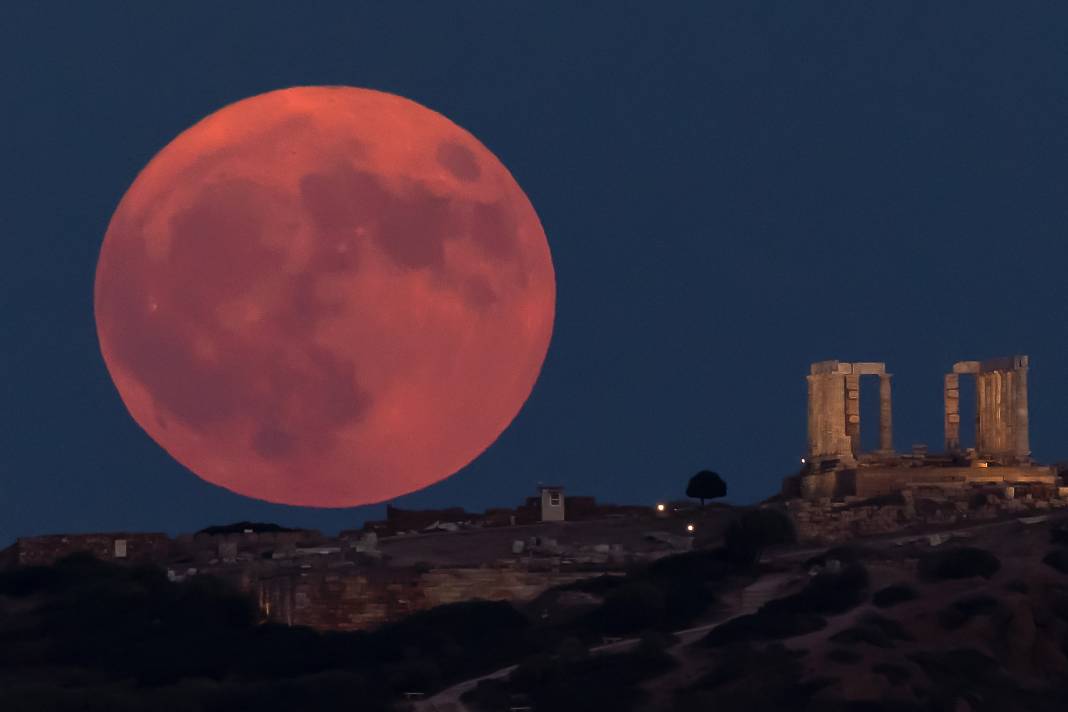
<point x="706" y="485"/>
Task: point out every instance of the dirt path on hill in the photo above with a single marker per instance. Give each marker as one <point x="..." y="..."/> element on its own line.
<point x="750" y="599"/>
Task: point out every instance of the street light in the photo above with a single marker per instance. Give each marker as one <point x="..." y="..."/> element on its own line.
<point x="689" y="528"/>
<point x="660" y="507"/>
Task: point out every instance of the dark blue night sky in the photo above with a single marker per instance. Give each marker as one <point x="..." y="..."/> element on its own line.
<point x="730" y="190"/>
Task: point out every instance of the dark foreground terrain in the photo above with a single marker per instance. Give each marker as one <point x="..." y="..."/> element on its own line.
<point x="85" y="635"/>
<point x="975" y="622"/>
<point x="89" y="635"/>
<point x="978" y="621"/>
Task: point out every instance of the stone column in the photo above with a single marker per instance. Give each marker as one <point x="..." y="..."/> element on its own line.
<point x="1022" y="446"/>
<point x="886" y="423"/>
<point x="1000" y="421"/>
<point x="982" y="417"/>
<point x="852" y="412"/>
<point x="1008" y="412"/>
<point x="952" y="399"/>
<point x="999" y="415"/>
<point x="813" y="419"/>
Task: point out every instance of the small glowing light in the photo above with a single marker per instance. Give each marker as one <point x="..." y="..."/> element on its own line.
<point x="660" y="508"/>
<point x="689" y="528"/>
<point x="802" y="461"/>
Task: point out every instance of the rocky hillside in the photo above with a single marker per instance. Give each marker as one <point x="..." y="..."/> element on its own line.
<point x="969" y="621"/>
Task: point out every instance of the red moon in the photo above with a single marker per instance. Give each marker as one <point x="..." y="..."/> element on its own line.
<point x="324" y="296"/>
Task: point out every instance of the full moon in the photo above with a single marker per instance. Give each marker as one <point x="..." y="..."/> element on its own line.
<point x="324" y="296"/>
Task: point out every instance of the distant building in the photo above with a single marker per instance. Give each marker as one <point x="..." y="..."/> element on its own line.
<point x="552" y="503"/>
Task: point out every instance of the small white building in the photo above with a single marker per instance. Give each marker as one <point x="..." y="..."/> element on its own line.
<point x="552" y="503"/>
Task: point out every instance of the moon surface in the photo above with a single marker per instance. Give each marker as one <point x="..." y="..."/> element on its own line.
<point x="324" y="296"/>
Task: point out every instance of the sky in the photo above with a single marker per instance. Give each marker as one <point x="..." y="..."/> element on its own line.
<point x="730" y="191"/>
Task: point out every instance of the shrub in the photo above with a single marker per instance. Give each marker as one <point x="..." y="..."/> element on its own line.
<point x="1058" y="559"/>
<point x="572" y="650"/>
<point x="893" y="595"/>
<point x="745" y="678"/>
<point x="668" y="594"/>
<point x="535" y="671"/>
<point x="873" y="629"/>
<point x="958" y="563"/>
<point x="414" y="676"/>
<point x="598" y="585"/>
<point x="747" y="536"/>
<point x="846" y="554"/>
<point x="895" y="674"/>
<point x="774" y="662"/>
<point x="1058" y="533"/>
<point x="765" y="624"/>
<point x="241" y="527"/>
<point x="463" y="637"/>
<point x="1059" y="604"/>
<point x="629" y="608"/>
<point x="488" y="694"/>
<point x="828" y="592"/>
<point x="595" y="683"/>
<point x="654" y="643"/>
<point x="70" y="571"/>
<point x="844" y="656"/>
<point x="691" y="567"/>
<point x="1018" y="586"/>
<point x="955" y="665"/>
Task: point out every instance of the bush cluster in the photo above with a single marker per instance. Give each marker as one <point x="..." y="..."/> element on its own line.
<point x="958" y="563"/>
<point x="755" y="530"/>
<point x="893" y="595"/>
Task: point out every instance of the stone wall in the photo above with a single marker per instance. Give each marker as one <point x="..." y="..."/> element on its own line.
<point x="876" y="481"/>
<point x="825" y="520"/>
<point x="821" y="485"/>
<point x="519" y="585"/>
<point x="45" y="550"/>
<point x="299" y="577"/>
<point x="339" y="599"/>
<point x="873" y="480"/>
<point x="351" y="598"/>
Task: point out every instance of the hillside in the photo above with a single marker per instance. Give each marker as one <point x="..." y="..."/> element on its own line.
<point x="968" y="620"/>
<point x="974" y="620"/>
<point x="85" y="634"/>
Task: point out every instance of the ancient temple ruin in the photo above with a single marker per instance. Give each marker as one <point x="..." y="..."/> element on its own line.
<point x="837" y="466"/>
